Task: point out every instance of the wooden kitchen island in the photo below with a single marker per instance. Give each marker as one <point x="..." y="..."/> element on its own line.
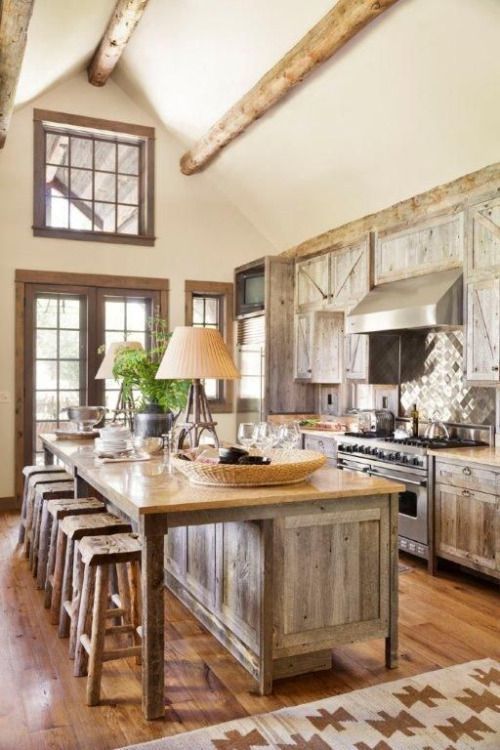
<point x="280" y="575"/>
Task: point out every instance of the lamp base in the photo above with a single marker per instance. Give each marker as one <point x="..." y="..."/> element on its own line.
<point x="124" y="409"/>
<point x="197" y="418"/>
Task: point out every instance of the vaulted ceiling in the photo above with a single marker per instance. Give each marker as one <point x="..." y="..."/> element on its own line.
<point x="409" y="103"/>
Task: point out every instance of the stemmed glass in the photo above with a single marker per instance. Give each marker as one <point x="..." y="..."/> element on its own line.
<point x="246" y="434"/>
<point x="265" y="436"/>
<point x="290" y="435"/>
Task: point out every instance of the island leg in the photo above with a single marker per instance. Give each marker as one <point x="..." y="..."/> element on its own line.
<point x="391" y="642"/>
<point x="265" y="679"/>
<point x="153" y="619"/>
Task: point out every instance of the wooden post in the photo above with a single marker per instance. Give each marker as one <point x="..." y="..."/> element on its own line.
<point x="391" y="642"/>
<point x="15" y="16"/>
<point x="330" y="34"/>
<point x="266" y="622"/>
<point x="153" y="618"/>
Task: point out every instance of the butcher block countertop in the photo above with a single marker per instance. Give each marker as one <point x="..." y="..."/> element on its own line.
<point x="486" y="455"/>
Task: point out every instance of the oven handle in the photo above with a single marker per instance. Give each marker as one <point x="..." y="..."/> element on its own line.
<point x="397" y="479"/>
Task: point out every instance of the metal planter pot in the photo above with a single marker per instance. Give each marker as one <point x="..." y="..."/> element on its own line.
<point x="153" y="424"/>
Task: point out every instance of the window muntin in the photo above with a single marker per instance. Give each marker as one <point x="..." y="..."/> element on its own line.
<point x="207" y="313"/>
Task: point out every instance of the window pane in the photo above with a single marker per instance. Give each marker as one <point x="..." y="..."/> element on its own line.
<point x="114" y="311"/>
<point x="211" y="388"/>
<point x="57" y="178"/>
<point x="128" y="159"/>
<point x="42" y="427"/>
<point x="136" y="315"/>
<point x="113" y="336"/>
<point x="56" y="148"/>
<point x="69" y="375"/>
<point x="104" y="186"/>
<point x="105" y="156"/>
<point x="81" y="183"/>
<point x="128" y="189"/>
<point x="128" y="220"/>
<point x="111" y="399"/>
<point x="81" y="152"/>
<point x="69" y="313"/>
<point x="198" y="310"/>
<point x="46" y="344"/>
<point x="211" y="311"/>
<point x="56" y="212"/>
<point x="104" y="217"/>
<point x="46" y="312"/>
<point x="46" y="405"/>
<point x="69" y="344"/>
<point x="46" y="375"/>
<point x="69" y="398"/>
<point x="80" y="215"/>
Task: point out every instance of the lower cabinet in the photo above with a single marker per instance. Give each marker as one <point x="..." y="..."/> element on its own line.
<point x="467" y="527"/>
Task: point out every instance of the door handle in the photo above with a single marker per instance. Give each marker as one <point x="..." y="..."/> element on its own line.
<point x="398" y="479"/>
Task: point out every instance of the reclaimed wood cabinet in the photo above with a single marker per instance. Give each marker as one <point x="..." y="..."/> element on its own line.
<point x="483" y="331"/>
<point x="483" y="245"/>
<point x="434" y="245"/>
<point x="356" y="356"/>
<point x="350" y="274"/>
<point x="319" y="343"/>
<point x="312" y="282"/>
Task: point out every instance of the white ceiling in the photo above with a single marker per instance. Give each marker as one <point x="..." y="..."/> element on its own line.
<point x="410" y="103"/>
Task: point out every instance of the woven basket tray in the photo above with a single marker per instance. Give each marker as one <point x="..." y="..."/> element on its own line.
<point x="287" y="467"/>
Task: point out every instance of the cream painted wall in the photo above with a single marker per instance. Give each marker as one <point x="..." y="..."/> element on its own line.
<point x="201" y="235"/>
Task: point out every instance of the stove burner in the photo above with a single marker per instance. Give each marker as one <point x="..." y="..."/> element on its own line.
<point x="419" y="442"/>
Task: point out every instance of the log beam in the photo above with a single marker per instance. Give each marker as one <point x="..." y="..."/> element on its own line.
<point x="125" y="17"/>
<point x="329" y="35"/>
<point x="15" y="17"/>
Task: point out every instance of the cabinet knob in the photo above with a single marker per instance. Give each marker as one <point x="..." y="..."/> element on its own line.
<point x="466" y="471"/>
<point x="495" y="368"/>
<point x="466" y="493"/>
<point x="309" y="370"/>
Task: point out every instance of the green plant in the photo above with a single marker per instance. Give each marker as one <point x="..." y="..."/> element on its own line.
<point x="136" y="368"/>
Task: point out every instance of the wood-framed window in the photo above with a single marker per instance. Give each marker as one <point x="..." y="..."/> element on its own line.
<point x="61" y="321"/>
<point x="93" y="179"/>
<point x="209" y="304"/>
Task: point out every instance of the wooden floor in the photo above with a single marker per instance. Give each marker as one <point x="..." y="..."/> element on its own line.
<point x="443" y="621"/>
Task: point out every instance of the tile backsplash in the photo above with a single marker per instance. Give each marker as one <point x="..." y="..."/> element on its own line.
<point x="432" y="377"/>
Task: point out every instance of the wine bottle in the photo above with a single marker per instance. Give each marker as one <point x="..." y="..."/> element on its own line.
<point x="414" y="421"/>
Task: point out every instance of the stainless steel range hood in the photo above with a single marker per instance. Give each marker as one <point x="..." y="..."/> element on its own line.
<point x="431" y="301"/>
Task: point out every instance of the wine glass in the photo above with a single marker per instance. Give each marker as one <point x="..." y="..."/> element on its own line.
<point x="290" y="435"/>
<point x="265" y="436"/>
<point x="246" y="434"/>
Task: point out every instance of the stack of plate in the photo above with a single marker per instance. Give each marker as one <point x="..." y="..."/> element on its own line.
<point x="114" y="441"/>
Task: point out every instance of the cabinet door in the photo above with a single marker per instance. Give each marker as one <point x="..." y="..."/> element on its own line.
<point x="435" y="245"/>
<point x="467" y="526"/>
<point x="483" y="330"/>
<point x="356" y="356"/>
<point x="303" y="346"/>
<point x="312" y="282"/>
<point x="483" y="247"/>
<point x="328" y="347"/>
<point x="349" y="274"/>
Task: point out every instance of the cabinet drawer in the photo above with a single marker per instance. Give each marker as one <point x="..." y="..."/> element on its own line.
<point x="469" y="476"/>
<point x="327" y="446"/>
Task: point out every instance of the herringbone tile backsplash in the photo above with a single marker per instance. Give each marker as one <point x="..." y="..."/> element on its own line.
<point x="432" y="377"/>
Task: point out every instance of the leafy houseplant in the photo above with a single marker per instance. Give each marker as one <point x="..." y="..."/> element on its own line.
<point x="137" y="368"/>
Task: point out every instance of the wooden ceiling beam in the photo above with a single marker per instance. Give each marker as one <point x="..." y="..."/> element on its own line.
<point x="329" y="35"/>
<point x="15" y="17"/>
<point x="125" y="17"/>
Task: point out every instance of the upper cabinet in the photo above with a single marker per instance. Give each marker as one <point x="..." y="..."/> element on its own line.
<point x="483" y="247"/>
<point x="435" y="245"/>
<point x="356" y="356"/>
<point x="319" y="345"/>
<point x="483" y="331"/>
<point x="312" y="282"/>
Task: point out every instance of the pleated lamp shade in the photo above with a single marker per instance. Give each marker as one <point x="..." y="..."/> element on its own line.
<point x="197" y="353"/>
<point x="105" y="371"/>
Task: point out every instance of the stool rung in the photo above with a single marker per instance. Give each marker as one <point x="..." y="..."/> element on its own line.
<point x="115" y="612"/>
<point x="112" y="654"/>
<point x="116" y="629"/>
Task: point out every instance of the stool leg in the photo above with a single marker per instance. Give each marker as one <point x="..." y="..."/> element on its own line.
<point x="24" y="507"/>
<point x="30" y="499"/>
<point x="135" y="603"/>
<point x="78" y="573"/>
<point x="34" y="530"/>
<point x="84" y="620"/>
<point x="43" y="547"/>
<point x="51" y="561"/>
<point x="98" y="635"/>
<point x="55" y="602"/>
<point x="123" y="591"/>
<point x="66" y="589"/>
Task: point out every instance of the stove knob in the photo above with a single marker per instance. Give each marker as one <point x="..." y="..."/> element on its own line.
<point x="416" y="461"/>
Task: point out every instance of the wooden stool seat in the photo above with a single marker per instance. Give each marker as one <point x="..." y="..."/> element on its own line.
<point x="28" y="472"/>
<point x="52" y="512"/>
<point x="35" y="478"/>
<point x="67" y="579"/>
<point x="43" y="493"/>
<point x="98" y="554"/>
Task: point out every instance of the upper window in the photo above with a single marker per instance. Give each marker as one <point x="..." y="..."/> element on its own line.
<point x="93" y="179"/>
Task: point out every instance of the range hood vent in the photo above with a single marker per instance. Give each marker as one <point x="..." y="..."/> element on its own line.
<point x="422" y="302"/>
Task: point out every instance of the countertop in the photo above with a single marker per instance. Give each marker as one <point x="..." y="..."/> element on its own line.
<point x="486" y="455"/>
<point x="144" y="487"/>
<point x="322" y="433"/>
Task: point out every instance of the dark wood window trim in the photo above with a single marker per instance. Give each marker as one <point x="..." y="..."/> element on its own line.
<point x="27" y="283"/>
<point x="46" y="118"/>
<point x="224" y="292"/>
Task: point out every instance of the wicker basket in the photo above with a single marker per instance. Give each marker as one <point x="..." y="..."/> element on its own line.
<point x="287" y="467"/>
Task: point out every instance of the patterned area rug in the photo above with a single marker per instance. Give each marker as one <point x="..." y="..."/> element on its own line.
<point x="457" y="708"/>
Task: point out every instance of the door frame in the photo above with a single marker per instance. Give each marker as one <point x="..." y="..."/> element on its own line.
<point x="26" y="284"/>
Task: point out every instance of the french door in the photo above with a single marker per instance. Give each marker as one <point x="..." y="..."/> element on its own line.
<point x="63" y="326"/>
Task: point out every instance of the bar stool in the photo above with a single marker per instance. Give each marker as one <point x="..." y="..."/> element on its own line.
<point x="98" y="554"/>
<point x="43" y="493"/>
<point x="52" y="512"/>
<point x="66" y="586"/>
<point x="33" y="482"/>
<point x="28" y="472"/>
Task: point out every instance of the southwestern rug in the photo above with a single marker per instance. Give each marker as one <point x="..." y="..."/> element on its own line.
<point x="457" y="708"/>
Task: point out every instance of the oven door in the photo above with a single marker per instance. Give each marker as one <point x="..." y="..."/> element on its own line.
<point x="413" y="505"/>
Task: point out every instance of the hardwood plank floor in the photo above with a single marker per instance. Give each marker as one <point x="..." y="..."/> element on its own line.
<point x="444" y="620"/>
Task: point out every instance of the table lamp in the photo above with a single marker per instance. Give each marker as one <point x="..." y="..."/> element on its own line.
<point x="196" y="354"/>
<point x="125" y="403"/>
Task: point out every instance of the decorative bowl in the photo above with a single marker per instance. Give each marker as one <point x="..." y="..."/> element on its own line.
<point x="85" y="418"/>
